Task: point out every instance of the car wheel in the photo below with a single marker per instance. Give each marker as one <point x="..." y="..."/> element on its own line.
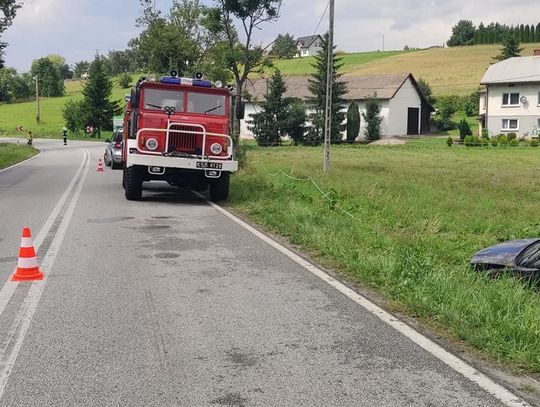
<point x="219" y="188"/>
<point x="132" y="183"/>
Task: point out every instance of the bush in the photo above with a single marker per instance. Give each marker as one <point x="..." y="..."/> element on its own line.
<point x="511" y="136"/>
<point x="353" y="122"/>
<point x="476" y="141"/>
<point x="534" y="142"/>
<point x="494" y="141"/>
<point x="514" y="143"/>
<point x="503" y="140"/>
<point x="468" y="141"/>
<point x="449" y="141"/>
<point x="484" y="142"/>
<point x="464" y="129"/>
<point x="446" y="107"/>
<point x="124" y="80"/>
<point x="485" y="134"/>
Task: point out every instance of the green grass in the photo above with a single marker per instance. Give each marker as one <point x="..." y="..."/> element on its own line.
<point x="418" y="214"/>
<point x="52" y="121"/>
<point x="12" y="153"/>
<point x="302" y="66"/>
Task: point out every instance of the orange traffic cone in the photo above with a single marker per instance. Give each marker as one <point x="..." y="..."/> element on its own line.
<point x="99" y="165"/>
<point x="27" y="266"/>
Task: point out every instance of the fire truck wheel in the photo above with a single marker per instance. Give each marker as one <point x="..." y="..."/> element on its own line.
<point x="219" y="188"/>
<point x="132" y="183"/>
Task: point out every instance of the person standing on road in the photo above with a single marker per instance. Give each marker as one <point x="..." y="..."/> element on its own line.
<point x="30" y="137"/>
<point x="64" y="136"/>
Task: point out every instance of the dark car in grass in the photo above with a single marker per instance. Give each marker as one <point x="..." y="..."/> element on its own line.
<point x="520" y="256"/>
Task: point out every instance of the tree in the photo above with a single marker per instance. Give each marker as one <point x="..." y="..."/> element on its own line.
<point x="425" y="88"/>
<point x="63" y="69"/>
<point x="284" y="46"/>
<point x="295" y="121"/>
<point x="8" y="10"/>
<point x="317" y="87"/>
<point x="80" y="68"/>
<point x="50" y="82"/>
<point x="521" y="32"/>
<point x="532" y="34"/>
<point x="75" y="115"/>
<point x="472" y="104"/>
<point x="353" y="122"/>
<point x="446" y="107"/>
<point x="372" y="117"/>
<point x="98" y="108"/>
<point x="537" y="33"/>
<point x="527" y="33"/>
<point x="267" y="125"/>
<point x="510" y="48"/>
<point x="462" y="34"/>
<point x="242" y="58"/>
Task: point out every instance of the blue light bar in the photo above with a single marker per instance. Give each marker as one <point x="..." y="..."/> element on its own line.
<point x="186" y="81"/>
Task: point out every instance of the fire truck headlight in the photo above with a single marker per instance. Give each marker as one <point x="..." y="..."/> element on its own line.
<point x="151" y="144"/>
<point x="216" y="148"/>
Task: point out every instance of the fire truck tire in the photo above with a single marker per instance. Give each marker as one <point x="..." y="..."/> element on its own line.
<point x="132" y="183"/>
<point x="219" y="188"/>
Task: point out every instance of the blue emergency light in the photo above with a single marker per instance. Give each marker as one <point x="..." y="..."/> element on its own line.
<point x="171" y="80"/>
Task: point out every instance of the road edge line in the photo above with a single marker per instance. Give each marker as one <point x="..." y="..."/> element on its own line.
<point x="469" y="372"/>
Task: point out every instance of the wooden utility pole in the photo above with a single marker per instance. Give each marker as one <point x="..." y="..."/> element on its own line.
<point x="329" y="85"/>
<point x="38" y="118"/>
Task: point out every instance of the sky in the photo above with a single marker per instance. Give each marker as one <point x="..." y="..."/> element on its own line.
<point x="77" y="29"/>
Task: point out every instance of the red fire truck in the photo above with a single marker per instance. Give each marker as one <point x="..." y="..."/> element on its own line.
<point x="177" y="130"/>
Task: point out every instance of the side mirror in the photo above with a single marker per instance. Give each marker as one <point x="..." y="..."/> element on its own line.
<point x="240" y="113"/>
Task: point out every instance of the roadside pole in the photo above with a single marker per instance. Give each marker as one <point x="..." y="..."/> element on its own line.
<point x="329" y="80"/>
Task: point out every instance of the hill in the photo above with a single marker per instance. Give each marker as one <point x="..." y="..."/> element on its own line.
<point x="455" y="70"/>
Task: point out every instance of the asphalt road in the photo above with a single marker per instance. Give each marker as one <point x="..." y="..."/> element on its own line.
<point x="168" y="302"/>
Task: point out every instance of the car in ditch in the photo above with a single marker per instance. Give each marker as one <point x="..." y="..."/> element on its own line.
<point x="519" y="256"/>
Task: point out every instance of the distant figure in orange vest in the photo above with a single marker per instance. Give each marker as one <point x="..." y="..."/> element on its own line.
<point x="30" y="137"/>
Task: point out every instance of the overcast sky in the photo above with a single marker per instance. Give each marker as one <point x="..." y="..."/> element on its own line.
<point x="77" y="29"/>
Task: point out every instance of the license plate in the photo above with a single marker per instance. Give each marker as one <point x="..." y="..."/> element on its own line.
<point x="209" y="164"/>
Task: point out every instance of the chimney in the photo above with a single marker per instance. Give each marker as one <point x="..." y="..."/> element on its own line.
<point x="537" y="53"/>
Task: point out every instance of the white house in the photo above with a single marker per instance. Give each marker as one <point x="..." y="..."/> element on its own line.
<point x="309" y="45"/>
<point x="511" y="101"/>
<point x="404" y="108"/>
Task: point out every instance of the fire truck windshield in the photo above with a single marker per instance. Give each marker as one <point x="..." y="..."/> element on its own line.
<point x="206" y="103"/>
<point x="157" y="99"/>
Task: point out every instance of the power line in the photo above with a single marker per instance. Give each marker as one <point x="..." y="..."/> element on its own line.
<point x="323" y="14"/>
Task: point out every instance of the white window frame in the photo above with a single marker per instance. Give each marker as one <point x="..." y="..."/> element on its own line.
<point x="508" y="128"/>
<point x="509" y="104"/>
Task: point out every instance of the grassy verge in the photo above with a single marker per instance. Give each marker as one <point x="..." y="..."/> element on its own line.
<point x="418" y="213"/>
<point x="12" y="153"/>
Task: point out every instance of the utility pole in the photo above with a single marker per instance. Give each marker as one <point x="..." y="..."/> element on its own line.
<point x="329" y="83"/>
<point x="38" y="118"/>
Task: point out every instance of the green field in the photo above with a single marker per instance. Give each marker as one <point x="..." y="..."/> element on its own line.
<point x="12" y="153"/>
<point x="302" y="66"/>
<point x="24" y="114"/>
<point x="406" y="220"/>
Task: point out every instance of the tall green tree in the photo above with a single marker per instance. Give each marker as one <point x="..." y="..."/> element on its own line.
<point x="284" y="46"/>
<point x="527" y="33"/>
<point x="537" y="33"/>
<point x="80" y="68"/>
<point x="532" y="34"/>
<point x="317" y="87"/>
<point x="98" y="107"/>
<point x="48" y="77"/>
<point x="240" y="55"/>
<point x="521" y="32"/>
<point x="353" y="122"/>
<point x="510" y="48"/>
<point x="8" y="10"/>
<point x="426" y="90"/>
<point x="462" y="34"/>
<point x="372" y="118"/>
<point x="267" y="125"/>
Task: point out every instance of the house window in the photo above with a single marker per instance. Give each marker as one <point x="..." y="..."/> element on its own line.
<point x="510" y="124"/>
<point x="510" y="99"/>
<point x="538" y="102"/>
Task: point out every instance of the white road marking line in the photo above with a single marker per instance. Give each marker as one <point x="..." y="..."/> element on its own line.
<point x="496" y="390"/>
<point x="7" y="290"/>
<point x="28" y="309"/>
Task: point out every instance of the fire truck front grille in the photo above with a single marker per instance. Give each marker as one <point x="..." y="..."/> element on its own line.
<point x="184" y="140"/>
